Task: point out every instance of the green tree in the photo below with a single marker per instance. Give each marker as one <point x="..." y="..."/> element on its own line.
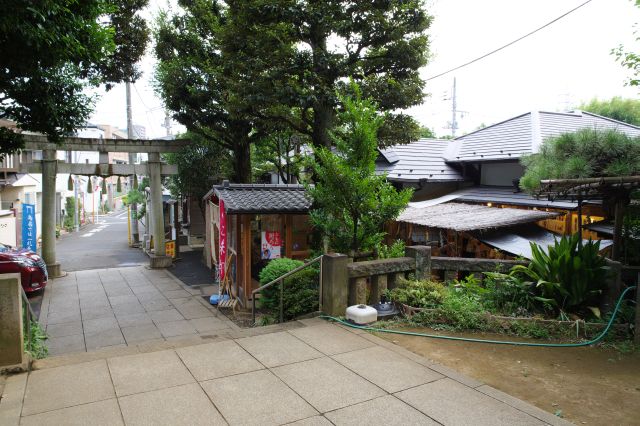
<point x="352" y="203"/>
<point x="298" y="54"/>
<point x="52" y="50"/>
<point x="281" y="152"/>
<point x="584" y="154"/>
<point x="197" y="80"/>
<point x="625" y="110"/>
<point x="200" y="165"/>
<point x="630" y="60"/>
<point x="426" y="133"/>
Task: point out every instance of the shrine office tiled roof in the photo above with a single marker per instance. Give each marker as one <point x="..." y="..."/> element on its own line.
<point x="261" y="198"/>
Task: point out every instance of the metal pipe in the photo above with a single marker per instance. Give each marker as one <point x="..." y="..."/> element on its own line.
<point x="281" y="299"/>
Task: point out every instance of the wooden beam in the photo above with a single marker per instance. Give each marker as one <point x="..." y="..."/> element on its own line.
<point x="245" y="253"/>
<point x="288" y="236"/>
<point x="39" y="143"/>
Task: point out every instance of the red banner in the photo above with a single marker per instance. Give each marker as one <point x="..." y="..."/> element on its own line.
<point x="223" y="241"/>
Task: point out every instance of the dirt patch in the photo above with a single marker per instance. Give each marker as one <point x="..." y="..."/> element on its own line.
<point x="590" y="385"/>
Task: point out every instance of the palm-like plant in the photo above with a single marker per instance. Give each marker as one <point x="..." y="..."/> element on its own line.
<point x="571" y="275"/>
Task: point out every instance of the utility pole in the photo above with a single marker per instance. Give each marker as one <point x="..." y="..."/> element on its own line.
<point x="135" y="235"/>
<point x="167" y="123"/>
<point x="454" y="112"/>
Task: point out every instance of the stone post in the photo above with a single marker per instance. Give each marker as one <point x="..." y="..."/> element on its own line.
<point x="422" y="255"/>
<point x="158" y="259"/>
<point x="378" y="287"/>
<point x="613" y="285"/>
<point x="335" y="284"/>
<point x="358" y="291"/>
<point x="49" y="171"/>
<point x="11" y="331"/>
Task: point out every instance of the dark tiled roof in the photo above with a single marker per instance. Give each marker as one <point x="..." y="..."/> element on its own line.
<point x="506" y="195"/>
<point x="522" y="135"/>
<point x="423" y="159"/>
<point x="263" y="198"/>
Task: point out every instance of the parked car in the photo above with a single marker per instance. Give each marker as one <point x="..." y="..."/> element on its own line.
<point x="29" y="265"/>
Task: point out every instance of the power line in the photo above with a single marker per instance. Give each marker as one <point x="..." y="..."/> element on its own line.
<point x="510" y="43"/>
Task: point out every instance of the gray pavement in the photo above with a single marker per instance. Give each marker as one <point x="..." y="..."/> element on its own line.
<point x="306" y="373"/>
<point x="100" y="308"/>
<point x="100" y="245"/>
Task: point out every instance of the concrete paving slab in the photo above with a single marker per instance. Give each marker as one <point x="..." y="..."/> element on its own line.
<point x="387" y="369"/>
<point x="12" y="395"/>
<point x="129" y="308"/>
<point x="65" y="344"/>
<point x="131" y="320"/>
<point x="326" y="384"/>
<point x="175" y="328"/>
<point x="458" y="377"/>
<point x="270" y="402"/>
<point x="312" y="421"/>
<point x="94" y="312"/>
<point x="102" y="413"/>
<point x="193" y="311"/>
<point x="165" y="316"/>
<point x="450" y="402"/>
<point x="168" y="286"/>
<point x="209" y="324"/>
<point x="220" y="359"/>
<point x="122" y="300"/>
<point x="175" y="294"/>
<point x="144" y="289"/>
<point x="122" y="290"/>
<point x="141" y="333"/>
<point x="181" y="405"/>
<point x="157" y="305"/>
<point x="72" y="307"/>
<point x="63" y="387"/>
<point x="146" y="372"/>
<point x="277" y="349"/>
<point x="105" y="338"/>
<point x="94" y="303"/>
<point x="64" y="329"/>
<point x="99" y="325"/>
<point x="62" y="317"/>
<point x="379" y="412"/>
<point x="330" y="339"/>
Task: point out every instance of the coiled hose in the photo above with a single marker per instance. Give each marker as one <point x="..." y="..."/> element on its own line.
<point x="496" y="342"/>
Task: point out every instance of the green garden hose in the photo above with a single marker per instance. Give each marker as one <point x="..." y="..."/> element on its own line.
<point x="496" y="342"/>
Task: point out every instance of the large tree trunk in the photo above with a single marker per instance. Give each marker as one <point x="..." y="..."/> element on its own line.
<point x="322" y="123"/>
<point x="242" y="162"/>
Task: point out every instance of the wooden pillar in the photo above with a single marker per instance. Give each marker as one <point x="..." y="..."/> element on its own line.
<point x="288" y="236"/>
<point x="245" y="254"/>
<point x="617" y="227"/>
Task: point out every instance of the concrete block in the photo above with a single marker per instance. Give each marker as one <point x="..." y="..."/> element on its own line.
<point x="11" y="318"/>
<point x="159" y="262"/>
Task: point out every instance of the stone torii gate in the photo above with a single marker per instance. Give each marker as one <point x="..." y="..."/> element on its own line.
<point x="50" y="166"/>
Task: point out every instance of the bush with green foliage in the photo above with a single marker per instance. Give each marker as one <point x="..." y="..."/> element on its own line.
<point x="585" y="153"/>
<point x="510" y="295"/>
<point x="396" y="249"/>
<point x="69" y="212"/>
<point x="571" y="276"/>
<point x="418" y="294"/>
<point x="300" y="289"/>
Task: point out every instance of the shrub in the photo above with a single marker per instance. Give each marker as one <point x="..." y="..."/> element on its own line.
<point x="510" y="295"/>
<point x="300" y="289"/>
<point x="419" y="294"/>
<point x="388" y="252"/>
<point x="458" y="310"/>
<point x="571" y="276"/>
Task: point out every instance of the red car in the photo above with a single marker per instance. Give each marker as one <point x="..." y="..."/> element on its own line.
<point x="30" y="266"/>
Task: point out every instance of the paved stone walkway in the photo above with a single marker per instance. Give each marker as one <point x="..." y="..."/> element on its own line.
<point x="99" y="308"/>
<point x="305" y="373"/>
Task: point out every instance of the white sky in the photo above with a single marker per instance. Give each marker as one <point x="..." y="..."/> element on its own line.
<point x="557" y="68"/>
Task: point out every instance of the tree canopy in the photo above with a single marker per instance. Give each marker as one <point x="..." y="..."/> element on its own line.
<point x="625" y="110"/>
<point x="630" y="59"/>
<point x="296" y="55"/>
<point x="51" y="50"/>
<point x="585" y="153"/>
<point x="352" y="203"/>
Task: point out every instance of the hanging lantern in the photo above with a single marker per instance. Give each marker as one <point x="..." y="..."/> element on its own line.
<point x="70" y="183"/>
<point x="118" y="186"/>
<point x="89" y="186"/>
<point x="135" y="181"/>
<point x="104" y="185"/>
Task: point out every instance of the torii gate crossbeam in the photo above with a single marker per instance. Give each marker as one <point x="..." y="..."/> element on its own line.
<point x="50" y="166"/>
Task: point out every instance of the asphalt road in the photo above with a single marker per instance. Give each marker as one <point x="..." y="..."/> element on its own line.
<point x="102" y="245"/>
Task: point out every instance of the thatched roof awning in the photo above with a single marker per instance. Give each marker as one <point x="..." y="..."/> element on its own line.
<point x="470" y="217"/>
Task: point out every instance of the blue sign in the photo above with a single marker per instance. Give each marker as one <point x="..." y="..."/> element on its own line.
<point x="29" y="227"/>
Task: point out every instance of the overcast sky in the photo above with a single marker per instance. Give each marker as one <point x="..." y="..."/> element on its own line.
<point x="555" y="69"/>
